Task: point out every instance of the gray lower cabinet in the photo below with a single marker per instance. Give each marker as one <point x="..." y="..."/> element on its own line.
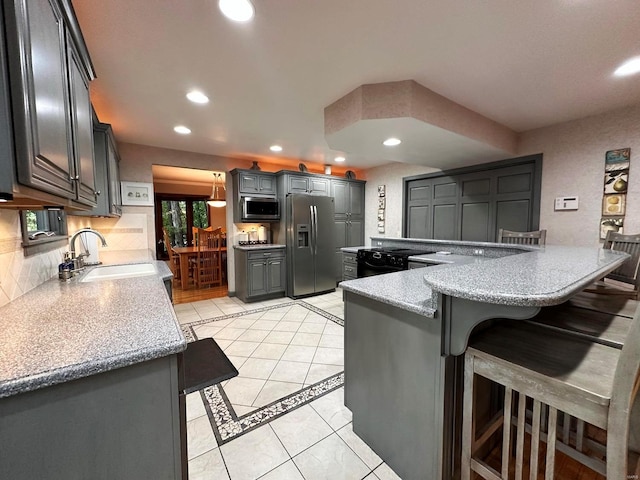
<point x="49" y="71"/>
<point x="349" y="266"/>
<point x="260" y="274"/>
<point x="123" y="424"/>
<point x="109" y="199"/>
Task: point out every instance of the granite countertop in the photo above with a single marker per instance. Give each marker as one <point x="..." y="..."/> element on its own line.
<point x="538" y="277"/>
<point x="405" y="290"/>
<point x="447" y="259"/>
<point x="352" y="249"/>
<point x="62" y="331"/>
<point x="261" y="246"/>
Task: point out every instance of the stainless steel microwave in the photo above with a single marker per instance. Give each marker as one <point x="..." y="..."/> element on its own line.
<point x="259" y="209"/>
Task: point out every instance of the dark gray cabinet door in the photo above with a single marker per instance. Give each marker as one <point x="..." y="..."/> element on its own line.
<point x="307" y="184"/>
<point x="356" y="199"/>
<point x="318" y="186"/>
<point x="82" y="128"/>
<point x="276" y="275"/>
<point x="36" y="33"/>
<point x="107" y="174"/>
<point x="444" y="208"/>
<point x="418" y="208"/>
<point x="266" y="184"/>
<point x="7" y="155"/>
<point x="355" y="233"/>
<point x="257" y="277"/>
<point x="256" y="183"/>
<point x="473" y="206"/>
<point x="340" y="192"/>
<point x="296" y="184"/>
<point x="113" y="171"/>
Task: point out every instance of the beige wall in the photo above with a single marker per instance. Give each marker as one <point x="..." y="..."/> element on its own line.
<point x="573" y="164"/>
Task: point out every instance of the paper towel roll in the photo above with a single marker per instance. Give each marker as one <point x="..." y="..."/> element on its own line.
<point x="262" y="233"/>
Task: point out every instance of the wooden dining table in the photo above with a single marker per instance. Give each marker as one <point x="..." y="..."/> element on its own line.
<point x="185" y="253"/>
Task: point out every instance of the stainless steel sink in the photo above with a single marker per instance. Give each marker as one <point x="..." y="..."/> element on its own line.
<point x="114" y="272"/>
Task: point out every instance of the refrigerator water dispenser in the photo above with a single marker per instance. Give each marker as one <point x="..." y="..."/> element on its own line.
<point x="302" y="234"/>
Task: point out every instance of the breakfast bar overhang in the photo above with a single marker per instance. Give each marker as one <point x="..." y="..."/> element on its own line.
<point x="406" y="332"/>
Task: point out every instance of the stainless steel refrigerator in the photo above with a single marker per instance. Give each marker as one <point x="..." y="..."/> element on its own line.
<point x="310" y="241"/>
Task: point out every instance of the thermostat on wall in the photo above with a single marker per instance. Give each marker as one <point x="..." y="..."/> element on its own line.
<point x="566" y="203"/>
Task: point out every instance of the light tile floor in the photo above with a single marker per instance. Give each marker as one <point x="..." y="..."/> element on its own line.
<point x="278" y="352"/>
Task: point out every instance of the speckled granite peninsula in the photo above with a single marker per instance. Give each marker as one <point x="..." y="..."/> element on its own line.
<point x="93" y="364"/>
<point x="405" y="334"/>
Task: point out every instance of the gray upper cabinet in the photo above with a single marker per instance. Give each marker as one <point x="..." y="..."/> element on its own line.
<point x="82" y="127"/>
<point x="258" y="184"/>
<point x="49" y="71"/>
<point x="107" y="174"/>
<point x="474" y="204"/>
<point x="308" y="184"/>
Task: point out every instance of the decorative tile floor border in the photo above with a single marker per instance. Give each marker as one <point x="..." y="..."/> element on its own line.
<point x="224" y="421"/>
<point x="228" y="426"/>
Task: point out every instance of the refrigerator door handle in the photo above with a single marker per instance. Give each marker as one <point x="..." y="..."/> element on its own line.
<point x="314" y="232"/>
<point x="315" y="221"/>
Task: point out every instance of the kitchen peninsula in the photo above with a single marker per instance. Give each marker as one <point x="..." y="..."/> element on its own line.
<point x="405" y="334"/>
<point x="89" y="380"/>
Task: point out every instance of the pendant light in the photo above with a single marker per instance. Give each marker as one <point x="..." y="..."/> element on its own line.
<point x="218" y="194"/>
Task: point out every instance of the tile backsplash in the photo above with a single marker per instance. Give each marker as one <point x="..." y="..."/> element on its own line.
<point x="127" y="238"/>
<point x="19" y="274"/>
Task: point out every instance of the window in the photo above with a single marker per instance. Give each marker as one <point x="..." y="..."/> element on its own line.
<point x="43" y="230"/>
<point x="177" y="215"/>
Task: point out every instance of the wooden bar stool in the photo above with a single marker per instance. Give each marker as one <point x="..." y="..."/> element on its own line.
<point x="536" y="237"/>
<point x="559" y="373"/>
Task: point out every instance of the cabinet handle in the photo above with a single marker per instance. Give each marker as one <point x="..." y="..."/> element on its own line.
<point x="72" y="178"/>
<point x="266" y="254"/>
<point x="96" y="193"/>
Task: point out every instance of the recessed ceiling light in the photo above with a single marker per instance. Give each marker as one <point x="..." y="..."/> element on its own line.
<point x="339" y="159"/>
<point x="197" y="97"/>
<point x="181" y="129"/>
<point x="392" y="142"/>
<point x="275" y="148"/>
<point x="628" y="68"/>
<point x="236" y="10"/>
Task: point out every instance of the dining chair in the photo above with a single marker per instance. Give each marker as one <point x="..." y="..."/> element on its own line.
<point x="627" y="273"/>
<point x="536" y="237"/>
<point x="174" y="258"/>
<point x="558" y="376"/>
<point x="208" y="263"/>
<point x="194" y="231"/>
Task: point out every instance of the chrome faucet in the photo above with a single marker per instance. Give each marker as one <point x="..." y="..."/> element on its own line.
<point x="72" y="243"/>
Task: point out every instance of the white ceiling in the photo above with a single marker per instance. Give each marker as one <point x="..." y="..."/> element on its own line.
<point x="523" y="63"/>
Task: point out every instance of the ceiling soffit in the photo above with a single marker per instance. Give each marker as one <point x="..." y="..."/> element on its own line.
<point x="434" y="130"/>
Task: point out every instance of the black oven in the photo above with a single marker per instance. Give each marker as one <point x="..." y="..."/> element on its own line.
<point x="376" y="261"/>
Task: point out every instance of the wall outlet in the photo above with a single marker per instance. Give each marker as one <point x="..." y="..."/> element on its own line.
<point x="478" y="251"/>
<point x="379" y="244"/>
